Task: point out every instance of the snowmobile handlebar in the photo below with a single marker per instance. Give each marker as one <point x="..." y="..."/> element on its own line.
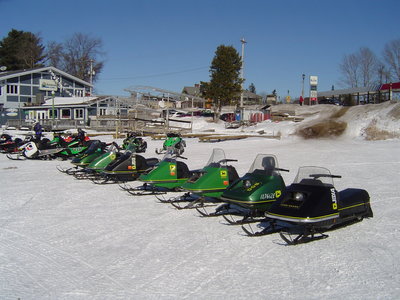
<point x="283" y="170"/>
<point x="315" y="176"/>
<point x="227" y="160"/>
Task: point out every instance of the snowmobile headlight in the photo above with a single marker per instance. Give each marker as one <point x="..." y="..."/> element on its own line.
<point x="298" y="196"/>
<point x="247" y="183"/>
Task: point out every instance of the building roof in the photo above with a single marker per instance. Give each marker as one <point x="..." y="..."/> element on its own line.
<point x="191" y="90"/>
<point x="356" y="90"/>
<point x="387" y="86"/>
<point x="12" y="74"/>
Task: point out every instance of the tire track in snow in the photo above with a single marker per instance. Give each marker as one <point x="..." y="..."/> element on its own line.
<point x="38" y="254"/>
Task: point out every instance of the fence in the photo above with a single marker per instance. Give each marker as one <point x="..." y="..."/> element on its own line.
<point x="112" y="124"/>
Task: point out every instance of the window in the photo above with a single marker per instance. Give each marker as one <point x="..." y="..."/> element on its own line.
<point x="78" y="113"/>
<point x="51" y="114"/>
<point x="65" y="113"/>
<point x="25" y="90"/>
<point x="102" y="111"/>
<point x="12" y="89"/>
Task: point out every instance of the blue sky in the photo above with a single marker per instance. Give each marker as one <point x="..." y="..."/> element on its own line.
<point x="170" y="44"/>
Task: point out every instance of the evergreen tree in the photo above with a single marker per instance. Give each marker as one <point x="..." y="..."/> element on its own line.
<point x="225" y="81"/>
<point x="21" y="50"/>
<point x="252" y="88"/>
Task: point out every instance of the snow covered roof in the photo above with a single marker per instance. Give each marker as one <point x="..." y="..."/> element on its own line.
<point x="69" y="101"/>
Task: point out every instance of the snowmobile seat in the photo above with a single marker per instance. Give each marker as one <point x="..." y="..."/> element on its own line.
<point x="232" y="174"/>
<point x="182" y="169"/>
<point x="351" y="196"/>
<point x="151" y="162"/>
<point x="309" y="181"/>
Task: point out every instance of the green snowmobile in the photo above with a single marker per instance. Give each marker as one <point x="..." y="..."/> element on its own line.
<point x="168" y="175"/>
<point x="72" y="145"/>
<point x="132" y="140"/>
<point x="96" y="166"/>
<point x="81" y="161"/>
<point x="209" y="183"/>
<point x="174" y="141"/>
<point x="254" y="193"/>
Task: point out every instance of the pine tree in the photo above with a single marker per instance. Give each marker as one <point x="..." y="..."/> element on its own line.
<point x="225" y="81"/>
<point x="21" y="50"/>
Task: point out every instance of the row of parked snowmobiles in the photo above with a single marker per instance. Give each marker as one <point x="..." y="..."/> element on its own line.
<point x="300" y="212"/>
<point x="33" y="147"/>
<point x="109" y="163"/>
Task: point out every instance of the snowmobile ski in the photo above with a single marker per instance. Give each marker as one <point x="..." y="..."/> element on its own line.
<point x="199" y="203"/>
<point x="301" y="238"/>
<point x="16" y="156"/>
<point x="242" y="221"/>
<point x="270" y="229"/>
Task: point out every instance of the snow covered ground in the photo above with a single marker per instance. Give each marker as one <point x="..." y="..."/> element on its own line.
<point x="61" y="238"/>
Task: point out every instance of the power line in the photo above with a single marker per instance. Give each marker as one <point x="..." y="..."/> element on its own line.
<point x="155" y="75"/>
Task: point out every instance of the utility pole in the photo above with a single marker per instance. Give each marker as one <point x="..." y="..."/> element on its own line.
<point x="91" y="76"/>
<point x="242" y="77"/>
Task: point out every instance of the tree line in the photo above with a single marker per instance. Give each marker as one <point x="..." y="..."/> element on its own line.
<point x="363" y="68"/>
<point x="78" y="55"/>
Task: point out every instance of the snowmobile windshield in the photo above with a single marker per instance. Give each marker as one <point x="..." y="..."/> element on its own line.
<point x="93" y="147"/>
<point x="264" y="164"/>
<point x="170" y="155"/>
<point x="314" y="176"/>
<point x="217" y="159"/>
<point x="131" y="146"/>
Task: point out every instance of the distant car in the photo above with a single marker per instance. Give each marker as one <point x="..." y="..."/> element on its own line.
<point x="329" y="101"/>
<point x="228" y="117"/>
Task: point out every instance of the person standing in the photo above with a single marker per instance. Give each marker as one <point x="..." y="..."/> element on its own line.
<point x="301" y="100"/>
<point x="38" y="131"/>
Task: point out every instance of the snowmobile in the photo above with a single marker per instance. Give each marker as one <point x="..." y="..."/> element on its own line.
<point x="82" y="160"/>
<point x="254" y="193"/>
<point x="174" y="141"/>
<point x="35" y="149"/>
<point x="132" y="138"/>
<point x="311" y="206"/>
<point x="73" y="145"/>
<point x="168" y="175"/>
<point x="8" y="144"/>
<point x="94" y="168"/>
<point x="207" y="184"/>
<point x="129" y="166"/>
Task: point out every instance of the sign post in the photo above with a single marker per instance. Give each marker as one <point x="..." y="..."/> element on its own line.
<point x="313" y="90"/>
<point x="51" y="86"/>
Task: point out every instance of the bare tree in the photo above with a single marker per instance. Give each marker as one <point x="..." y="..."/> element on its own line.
<point x="391" y="56"/>
<point x="368" y="66"/>
<point x="384" y="75"/>
<point x="55" y="54"/>
<point x="350" y="68"/>
<point x="79" y="55"/>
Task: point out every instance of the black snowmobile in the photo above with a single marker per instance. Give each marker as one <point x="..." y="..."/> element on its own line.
<point x="8" y="144"/>
<point x="133" y="139"/>
<point x="311" y="205"/>
<point x="129" y="166"/>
